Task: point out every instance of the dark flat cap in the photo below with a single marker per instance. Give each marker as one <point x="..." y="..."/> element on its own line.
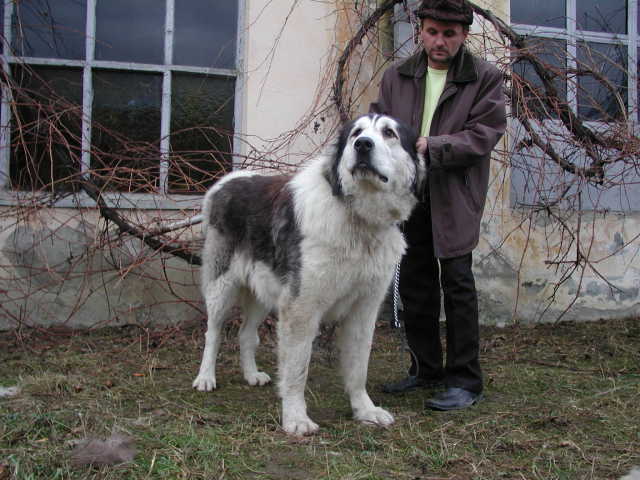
<point x="458" y="11"/>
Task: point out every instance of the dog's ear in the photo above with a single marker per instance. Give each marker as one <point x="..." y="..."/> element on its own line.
<point x="408" y="138"/>
<point x="331" y="174"/>
<point x="419" y="186"/>
<point x="331" y="170"/>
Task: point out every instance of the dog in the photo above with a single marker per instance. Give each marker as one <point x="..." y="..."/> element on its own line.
<point x="318" y="246"/>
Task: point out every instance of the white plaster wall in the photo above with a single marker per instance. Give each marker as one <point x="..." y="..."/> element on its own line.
<point x="287" y="46"/>
<point x="66" y="267"/>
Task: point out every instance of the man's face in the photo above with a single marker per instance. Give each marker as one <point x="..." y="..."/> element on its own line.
<point x="441" y="41"/>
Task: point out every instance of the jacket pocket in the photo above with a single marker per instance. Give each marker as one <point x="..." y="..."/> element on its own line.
<point x="473" y="194"/>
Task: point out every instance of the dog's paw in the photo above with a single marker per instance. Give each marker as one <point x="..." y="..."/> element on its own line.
<point x="257" y="378"/>
<point x="300" y="427"/>
<point x="376" y="416"/>
<point x="204" y="383"/>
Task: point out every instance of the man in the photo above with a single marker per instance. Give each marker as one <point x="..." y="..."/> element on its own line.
<point x="456" y="101"/>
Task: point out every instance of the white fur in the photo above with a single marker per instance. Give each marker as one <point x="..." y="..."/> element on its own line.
<point x="349" y="249"/>
<point x="634" y="474"/>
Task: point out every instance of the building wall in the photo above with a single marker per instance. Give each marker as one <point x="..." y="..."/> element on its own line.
<point x="53" y="269"/>
<point x="514" y="262"/>
<point x="289" y="47"/>
<point x="56" y="270"/>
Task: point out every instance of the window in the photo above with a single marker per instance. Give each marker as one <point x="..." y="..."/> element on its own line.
<point x="551" y="52"/>
<point x="595" y="36"/>
<point x="403" y="31"/>
<point x="138" y="94"/>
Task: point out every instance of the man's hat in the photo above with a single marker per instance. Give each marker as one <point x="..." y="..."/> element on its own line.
<point x="458" y="11"/>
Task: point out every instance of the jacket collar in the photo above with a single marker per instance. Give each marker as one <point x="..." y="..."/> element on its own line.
<point x="463" y="67"/>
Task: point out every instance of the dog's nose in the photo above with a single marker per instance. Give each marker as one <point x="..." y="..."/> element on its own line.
<point x="363" y="145"/>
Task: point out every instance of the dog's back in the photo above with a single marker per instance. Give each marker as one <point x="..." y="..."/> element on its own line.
<point x="249" y="219"/>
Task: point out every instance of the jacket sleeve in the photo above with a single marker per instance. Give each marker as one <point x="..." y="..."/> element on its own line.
<point x="482" y="130"/>
<point x="383" y="105"/>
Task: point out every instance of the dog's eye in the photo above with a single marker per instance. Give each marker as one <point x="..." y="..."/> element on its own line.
<point x="389" y="133"/>
<point x="356" y="132"/>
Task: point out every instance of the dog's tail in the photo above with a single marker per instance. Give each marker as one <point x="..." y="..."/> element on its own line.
<point x="207" y="203"/>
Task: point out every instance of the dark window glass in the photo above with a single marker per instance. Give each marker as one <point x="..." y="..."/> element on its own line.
<point x="126" y="130"/>
<point x="42" y="28"/>
<point x="130" y="31"/>
<point x="46" y="127"/>
<point x="550" y="13"/>
<point x="205" y="33"/>
<point x="530" y="94"/>
<point x="602" y="15"/>
<point x="601" y="93"/>
<point x="202" y="131"/>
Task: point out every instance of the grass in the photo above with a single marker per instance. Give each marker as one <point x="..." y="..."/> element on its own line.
<point x="561" y="403"/>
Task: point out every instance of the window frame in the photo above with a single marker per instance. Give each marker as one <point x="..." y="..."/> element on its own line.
<point x="573" y="37"/>
<point x="161" y="199"/>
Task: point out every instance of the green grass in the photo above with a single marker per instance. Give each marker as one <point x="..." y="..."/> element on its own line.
<point x="561" y="402"/>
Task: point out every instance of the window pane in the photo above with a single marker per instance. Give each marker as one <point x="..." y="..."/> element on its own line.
<point x="529" y="94"/>
<point x="40" y="30"/>
<point x="202" y="131"/>
<point x="46" y="127"/>
<point x="602" y="15"/>
<point x="205" y="33"/>
<point x="126" y="130"/>
<point x="601" y="93"/>
<point x="538" y="181"/>
<point x="548" y="14"/>
<point x="130" y="31"/>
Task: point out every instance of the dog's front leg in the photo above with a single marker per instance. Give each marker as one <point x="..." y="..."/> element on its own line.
<point x="295" y="338"/>
<point x="354" y="340"/>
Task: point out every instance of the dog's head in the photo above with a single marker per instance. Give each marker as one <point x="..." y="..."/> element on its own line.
<point x="377" y="152"/>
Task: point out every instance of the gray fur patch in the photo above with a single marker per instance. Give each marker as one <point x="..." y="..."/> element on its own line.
<point x="255" y="215"/>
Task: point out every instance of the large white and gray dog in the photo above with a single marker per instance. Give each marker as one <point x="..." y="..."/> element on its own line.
<point x="317" y="246"/>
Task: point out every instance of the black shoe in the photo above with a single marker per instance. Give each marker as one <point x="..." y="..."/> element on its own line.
<point x="453" y="398"/>
<point x="410" y="383"/>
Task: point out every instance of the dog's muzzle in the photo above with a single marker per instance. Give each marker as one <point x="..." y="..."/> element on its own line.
<point x="363" y="147"/>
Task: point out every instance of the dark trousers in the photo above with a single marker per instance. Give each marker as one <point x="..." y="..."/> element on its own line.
<point x="422" y="276"/>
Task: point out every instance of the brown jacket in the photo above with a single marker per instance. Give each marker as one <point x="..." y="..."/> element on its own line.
<point x="466" y="126"/>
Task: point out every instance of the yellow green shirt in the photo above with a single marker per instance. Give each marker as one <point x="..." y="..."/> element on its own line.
<point x="433" y="87"/>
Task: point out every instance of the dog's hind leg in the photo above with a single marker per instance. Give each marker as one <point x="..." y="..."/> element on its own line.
<point x="254" y="313"/>
<point x="355" y="337"/>
<point x="220" y="295"/>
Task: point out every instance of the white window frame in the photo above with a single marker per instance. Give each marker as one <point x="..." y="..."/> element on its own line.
<point x="160" y="200"/>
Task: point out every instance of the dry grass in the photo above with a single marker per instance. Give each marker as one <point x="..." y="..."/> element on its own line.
<point x="561" y="403"/>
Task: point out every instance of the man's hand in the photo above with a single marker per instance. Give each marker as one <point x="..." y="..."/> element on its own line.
<point x="421" y="145"/>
